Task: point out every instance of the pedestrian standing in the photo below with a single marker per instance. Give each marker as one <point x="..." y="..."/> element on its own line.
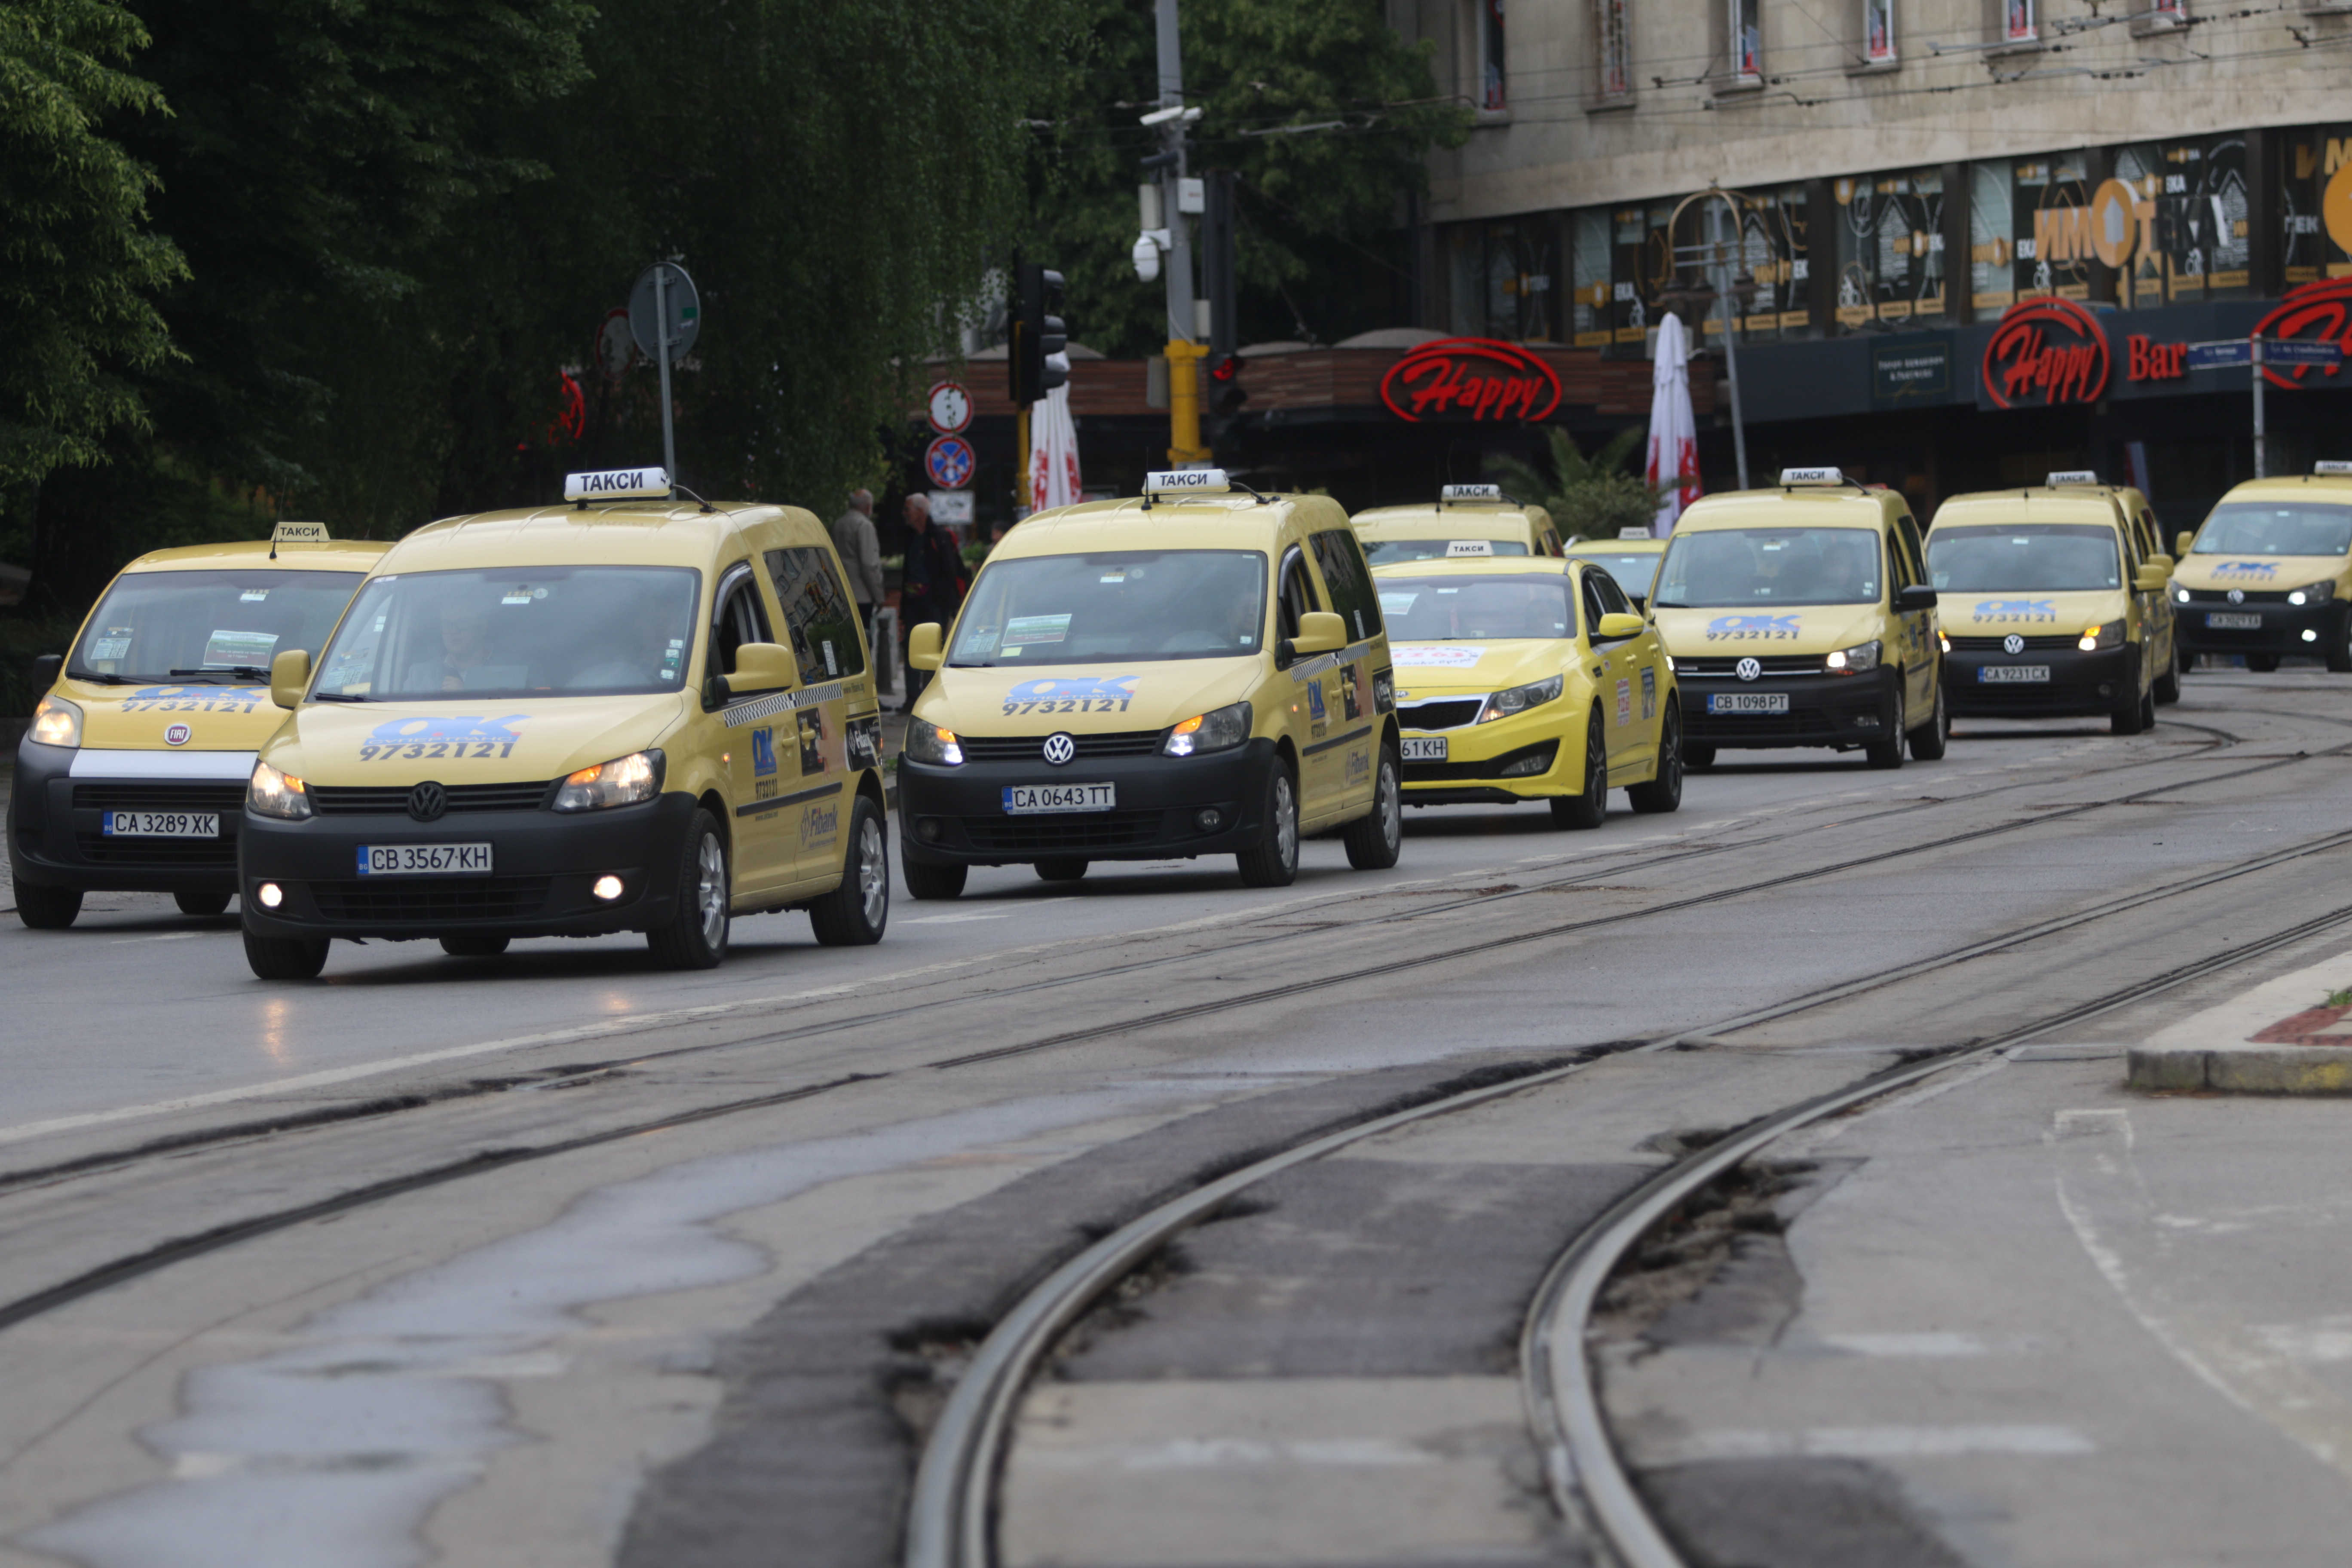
<point x="861" y="556"/>
<point x="931" y="586"/>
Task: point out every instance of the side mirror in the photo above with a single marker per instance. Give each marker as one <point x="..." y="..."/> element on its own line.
<point x="762" y="666"/>
<point x="2181" y="543"/>
<point x="2151" y="579"/>
<point x="44" y="669"/>
<point x="1319" y="631"/>
<point x="923" y="647"/>
<point x="289" y="672"/>
<point x="1916" y="597"/>
<point x="1617" y="629"/>
<point x="2163" y="560"/>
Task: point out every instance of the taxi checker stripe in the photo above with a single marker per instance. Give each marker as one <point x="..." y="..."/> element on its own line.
<point x="1321" y="662"/>
<point x="754" y="807"/>
<point x="752" y="709"/>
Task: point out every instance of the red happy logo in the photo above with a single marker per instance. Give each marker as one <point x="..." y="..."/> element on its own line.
<point x="2053" y="347"/>
<point x="2326" y="306"/>
<point x="1474" y="378"/>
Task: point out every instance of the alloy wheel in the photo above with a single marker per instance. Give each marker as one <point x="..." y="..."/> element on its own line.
<point x="873" y="872"/>
<point x="710" y="889"/>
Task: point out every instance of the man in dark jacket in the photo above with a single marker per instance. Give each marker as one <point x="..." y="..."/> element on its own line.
<point x="931" y="584"/>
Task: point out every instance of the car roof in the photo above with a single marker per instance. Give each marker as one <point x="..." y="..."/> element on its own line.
<point x="621" y="533"/>
<point x="2038" y="503"/>
<point x="244" y="554"/>
<point x="1802" y="507"/>
<point x="1191" y="521"/>
<point x="1474" y="566"/>
<point x="1428" y="514"/>
<point x="1618" y="546"/>
<point x="2331" y="488"/>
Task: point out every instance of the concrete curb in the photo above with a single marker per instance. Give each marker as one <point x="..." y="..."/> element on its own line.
<point x="2215" y="1052"/>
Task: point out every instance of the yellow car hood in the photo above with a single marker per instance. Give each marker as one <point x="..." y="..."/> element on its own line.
<point x="465" y="740"/>
<point x="2220" y="573"/>
<point x="1084" y="699"/>
<point x="173" y="718"/>
<point x="2030" y="614"/>
<point x="1791" y="628"/>
<point x="1438" y="670"/>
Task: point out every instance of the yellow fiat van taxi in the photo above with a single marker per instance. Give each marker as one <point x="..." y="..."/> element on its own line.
<point x="2270" y="572"/>
<point x="630" y="714"/>
<point x="132" y="775"/>
<point x="1803" y="616"/>
<point x="1467" y="520"/>
<point x="1201" y="671"/>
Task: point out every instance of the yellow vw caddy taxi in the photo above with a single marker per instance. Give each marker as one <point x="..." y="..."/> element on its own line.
<point x="1631" y="558"/>
<point x="1197" y="672"/>
<point x="132" y="775"/>
<point x="1529" y="679"/>
<point x="2270" y="572"/>
<point x="2045" y="599"/>
<point x="1803" y="616"/>
<point x="631" y="715"/>
<point x="1467" y="520"/>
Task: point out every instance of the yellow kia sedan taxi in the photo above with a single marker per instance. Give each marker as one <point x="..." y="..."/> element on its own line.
<point x="1529" y="679"/>
<point x="1803" y="616"/>
<point x="632" y="714"/>
<point x="1198" y="672"/>
<point x="2270" y="573"/>
<point x="1631" y="558"/>
<point x="2045" y="605"/>
<point x="132" y="775"/>
<point x="1467" y="520"/>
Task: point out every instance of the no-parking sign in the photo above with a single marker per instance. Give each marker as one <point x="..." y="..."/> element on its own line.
<point x="949" y="461"/>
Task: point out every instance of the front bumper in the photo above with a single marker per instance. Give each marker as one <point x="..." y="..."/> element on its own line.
<point x="2079" y="683"/>
<point x="1840" y="711"/>
<point x="543" y="866"/>
<point x="1545" y="745"/>
<point x="956" y="816"/>
<point x="57" y="838"/>
<point x="2282" y="631"/>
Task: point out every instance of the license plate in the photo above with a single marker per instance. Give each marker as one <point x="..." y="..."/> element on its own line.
<point x="424" y="860"/>
<point x="1024" y="800"/>
<point x="161" y="824"/>
<point x="2222" y="622"/>
<point x="1997" y="674"/>
<point x="1424" y="748"/>
<point x="1748" y="702"/>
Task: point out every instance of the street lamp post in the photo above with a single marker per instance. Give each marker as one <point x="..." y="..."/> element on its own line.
<point x="1715" y="256"/>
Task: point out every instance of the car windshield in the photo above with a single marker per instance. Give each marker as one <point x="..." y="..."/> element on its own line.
<point x="1633" y="569"/>
<point x="1393" y="552"/>
<point x="1727" y="566"/>
<point x="2045" y="557"/>
<point x="220" y="627"/>
<point x="2247" y="528"/>
<point x="1114" y="607"/>
<point x="1477" y="609"/>
<point x="521" y="631"/>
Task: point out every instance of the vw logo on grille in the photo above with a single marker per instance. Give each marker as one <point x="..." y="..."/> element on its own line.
<point x="1748" y="670"/>
<point x="2237" y="596"/>
<point x="2012" y="645"/>
<point x="427" y="800"/>
<point x="1060" y="748"/>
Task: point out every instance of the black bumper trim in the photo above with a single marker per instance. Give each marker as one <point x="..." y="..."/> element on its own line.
<point x="754" y="808"/>
<point x="1321" y="746"/>
<point x="962" y="809"/>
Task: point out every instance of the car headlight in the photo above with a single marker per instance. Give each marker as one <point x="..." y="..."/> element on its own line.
<point x="1219" y="730"/>
<point x="1670" y="664"/>
<point x="2317" y="593"/>
<point x="2097" y="638"/>
<point x="277" y="795"/>
<point x="2180" y="595"/>
<point x="623" y="781"/>
<point x="1519" y="698"/>
<point x="1854" y="660"/>
<point x="1945" y="638"/>
<point x="927" y="742"/>
<point x="57" y="723"/>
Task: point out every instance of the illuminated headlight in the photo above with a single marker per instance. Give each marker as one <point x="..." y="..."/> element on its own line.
<point x="1862" y="656"/>
<point x="271" y="894"/>
<point x="1519" y="698"/>
<point x="623" y="781"/>
<point x="927" y="742"/>
<point x="2094" y="638"/>
<point x="1221" y="731"/>
<point x="2180" y="595"/>
<point x="57" y="723"/>
<point x="277" y="795"/>
<point x="1670" y="664"/>
<point x="1942" y="637"/>
<point x="608" y="888"/>
<point x="2313" y="593"/>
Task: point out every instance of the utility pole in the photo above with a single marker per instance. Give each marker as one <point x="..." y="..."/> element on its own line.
<point x="1184" y="353"/>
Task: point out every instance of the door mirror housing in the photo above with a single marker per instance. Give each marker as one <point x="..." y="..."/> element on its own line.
<point x="1617" y="629"/>
<point x="1319" y="631"/>
<point x="2182" y="543"/>
<point x="1915" y="597"/>
<point x="762" y="666"/>
<point x="2166" y="562"/>
<point x="44" y="669"/>
<point x="923" y="647"/>
<point x="2151" y="579"/>
<point x="290" y="673"/>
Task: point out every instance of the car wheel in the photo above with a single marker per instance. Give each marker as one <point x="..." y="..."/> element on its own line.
<point x="696" y="936"/>
<point x="2166" y="689"/>
<point x="200" y="904"/>
<point x="285" y="957"/>
<point x="2339" y="650"/>
<point x="1273" y="861"/>
<point x="1698" y="756"/>
<point x="855" y="913"/>
<point x="1662" y="792"/>
<point x="2135" y="712"/>
<point x="47" y="909"/>
<point x="928" y="883"/>
<point x="1061" y="868"/>
<point x="2261" y="663"/>
<point x="1374" y="840"/>
<point x="1591" y="808"/>
<point x="1888" y="753"/>
<point x="1929" y="740"/>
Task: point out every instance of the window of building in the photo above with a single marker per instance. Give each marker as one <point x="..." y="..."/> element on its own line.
<point x="1493" y="76"/>
<point x="1501" y="279"/>
<point x="2049" y="202"/>
<point x="1612" y="31"/>
<point x="1590" y="294"/>
<point x="1890" y="248"/>
<point x="1746" y="34"/>
<point x="1879" y="32"/>
<point x="2315" y="201"/>
<point x="2018" y="24"/>
<point x="2190" y="223"/>
<point x="1993" y="237"/>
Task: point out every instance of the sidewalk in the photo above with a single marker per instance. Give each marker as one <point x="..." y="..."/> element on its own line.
<point x="2291" y="1036"/>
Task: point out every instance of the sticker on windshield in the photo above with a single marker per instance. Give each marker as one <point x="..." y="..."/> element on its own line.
<point x="229" y="649"/>
<point x="115" y="644"/>
<point x="1399" y="602"/>
<point x="253" y="596"/>
<point x="1024" y="630"/>
<point x="831" y="667"/>
<point x="523" y="594"/>
<point x="1433" y="656"/>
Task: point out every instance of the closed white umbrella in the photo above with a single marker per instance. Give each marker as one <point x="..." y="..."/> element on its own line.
<point x="1673" y="429"/>
<point x="1053" y="452"/>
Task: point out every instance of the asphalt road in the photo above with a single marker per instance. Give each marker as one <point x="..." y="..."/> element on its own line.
<point x="557" y="1258"/>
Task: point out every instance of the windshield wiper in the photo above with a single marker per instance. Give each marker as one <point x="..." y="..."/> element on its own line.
<point x="97" y="679"/>
<point x="233" y="672"/>
<point x="1668" y="605"/>
<point x="340" y="697"/>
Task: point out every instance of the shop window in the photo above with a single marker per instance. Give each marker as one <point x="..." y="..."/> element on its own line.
<point x="1879" y="32"/>
<point x="1746" y="32"/>
<point x="1494" y="95"/>
<point x="1611" y="32"/>
<point x="1768" y="263"/>
<point x="1993" y="237"/>
<point x="2190" y="223"/>
<point x="2316" y="203"/>
<point x="2050" y="201"/>
<point x="1890" y="249"/>
<point x="1589" y="290"/>
<point x="2020" y="24"/>
<point x="1501" y="279"/>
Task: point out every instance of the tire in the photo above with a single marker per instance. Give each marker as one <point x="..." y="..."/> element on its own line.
<point x="202" y="905"/>
<point x="2147" y="712"/>
<point x="2339" y="651"/>
<point x="1698" y="756"/>
<point x="855" y="913"/>
<point x="47" y="909"/>
<point x="2261" y="663"/>
<point x="2187" y="660"/>
<point x="1375" y="838"/>
<point x="1662" y="792"/>
<point x="1588" y="810"/>
<point x="1061" y="868"/>
<point x="2167" y="685"/>
<point x="285" y="957"/>
<point x="1273" y="862"/>
<point x="929" y="883"/>
<point x="696" y="937"/>
<point x="1930" y="741"/>
<point x="474" y="946"/>
<point x="1888" y="753"/>
<point x="2135" y="712"/>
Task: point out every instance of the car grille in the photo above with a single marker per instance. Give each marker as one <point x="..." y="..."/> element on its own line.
<point x="1728" y="669"/>
<point x="2033" y="645"/>
<point x="1441" y="714"/>
<point x="2219" y="598"/>
<point x="228" y="798"/>
<point x="101" y="850"/>
<point x="1701" y="725"/>
<point x="1031" y="748"/>
<point x="392" y="800"/>
<point x="432" y="899"/>
<point x="1492" y="768"/>
<point x="1060" y="835"/>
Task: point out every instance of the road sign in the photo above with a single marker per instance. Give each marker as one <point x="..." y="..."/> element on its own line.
<point x="2275" y="352"/>
<point x="950" y="407"/>
<point x="614" y="351"/>
<point x="684" y="313"/>
<point x="949" y="461"/>
<point x="951" y="507"/>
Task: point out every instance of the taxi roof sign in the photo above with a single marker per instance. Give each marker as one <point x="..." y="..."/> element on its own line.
<point x="1635" y="533"/>
<point x="2331" y="466"/>
<point x="298" y="534"/>
<point x="1471" y="492"/>
<point x="617" y="484"/>
<point x="2073" y="477"/>
<point x="1457" y="547"/>
<point x="1792" y="477"/>
<point x="1168" y="481"/>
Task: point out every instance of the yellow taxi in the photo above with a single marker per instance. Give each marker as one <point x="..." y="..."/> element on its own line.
<point x="1631" y="558"/>
<point x="2270" y="572"/>
<point x="1529" y="679"/>
<point x="132" y="775"/>
<point x="1803" y="616"/>
<point x="629" y="714"/>
<point x="1200" y="672"/>
<point x="1468" y="521"/>
<point x="2047" y="597"/>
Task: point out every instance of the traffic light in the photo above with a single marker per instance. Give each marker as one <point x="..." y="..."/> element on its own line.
<point x="1035" y="355"/>
<point x="1226" y="393"/>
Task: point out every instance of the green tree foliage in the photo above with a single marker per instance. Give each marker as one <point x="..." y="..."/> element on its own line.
<point x="78" y="266"/>
<point x="1588" y="498"/>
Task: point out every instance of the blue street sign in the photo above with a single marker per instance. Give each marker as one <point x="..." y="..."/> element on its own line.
<point x="2275" y="352"/>
<point x="2213" y="356"/>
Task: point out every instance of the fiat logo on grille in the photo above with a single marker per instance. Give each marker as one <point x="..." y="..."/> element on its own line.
<point x="1748" y="670"/>
<point x="427" y="800"/>
<point x="2012" y="645"/>
<point x="2237" y="596"/>
<point x="178" y="735"/>
<point x="1060" y="748"/>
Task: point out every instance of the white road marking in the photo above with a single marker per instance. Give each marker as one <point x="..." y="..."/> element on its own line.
<point x="1871" y="1443"/>
<point x="1921" y="1344"/>
<point x="1208" y="1453"/>
<point x="163" y="936"/>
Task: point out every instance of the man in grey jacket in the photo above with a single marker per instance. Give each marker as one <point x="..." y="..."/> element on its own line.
<point x="861" y="556"/>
